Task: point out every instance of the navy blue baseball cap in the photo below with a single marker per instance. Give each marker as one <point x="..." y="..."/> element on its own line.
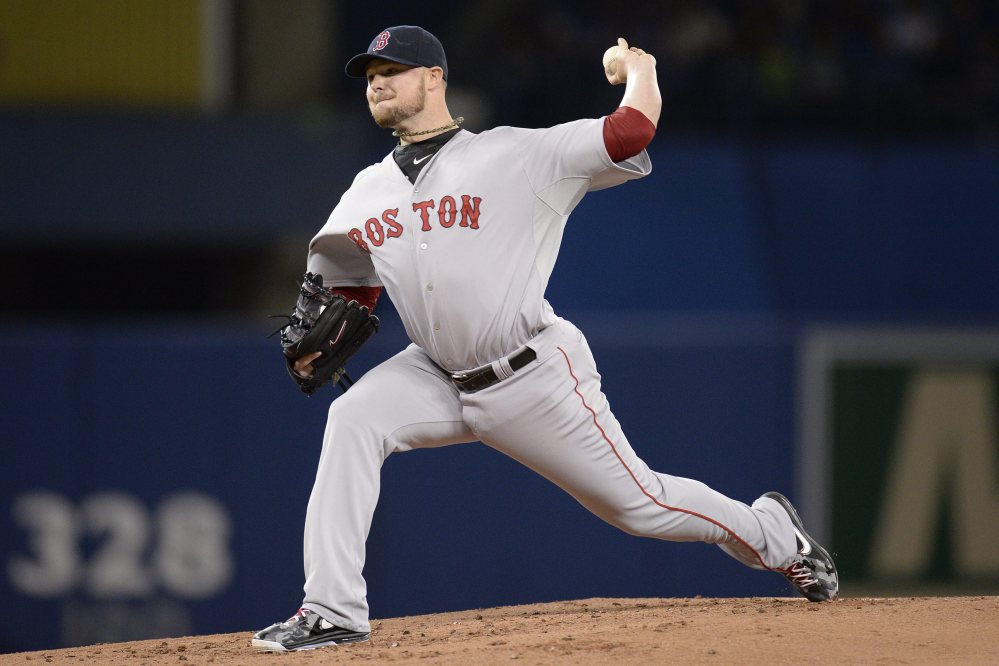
<point x="404" y="44"/>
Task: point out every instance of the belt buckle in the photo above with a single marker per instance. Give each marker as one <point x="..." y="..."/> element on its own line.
<point x="469" y="380"/>
<point x="459" y="379"/>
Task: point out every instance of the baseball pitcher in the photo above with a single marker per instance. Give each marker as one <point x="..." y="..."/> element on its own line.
<point x="463" y="230"/>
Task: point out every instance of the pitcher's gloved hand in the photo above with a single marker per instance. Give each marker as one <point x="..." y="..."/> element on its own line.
<point x="327" y="323"/>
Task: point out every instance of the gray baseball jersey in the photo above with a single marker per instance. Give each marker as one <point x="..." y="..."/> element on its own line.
<point x="465" y="253"/>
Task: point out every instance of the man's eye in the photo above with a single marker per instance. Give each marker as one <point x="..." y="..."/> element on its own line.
<point x="388" y="71"/>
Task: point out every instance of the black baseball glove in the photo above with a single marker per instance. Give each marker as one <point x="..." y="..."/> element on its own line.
<point x="326" y="322"/>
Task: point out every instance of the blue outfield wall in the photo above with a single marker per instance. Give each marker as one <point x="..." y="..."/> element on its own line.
<point x="121" y="423"/>
<point x="816" y="226"/>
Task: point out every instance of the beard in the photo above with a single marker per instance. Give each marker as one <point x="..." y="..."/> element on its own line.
<point x="393" y="116"/>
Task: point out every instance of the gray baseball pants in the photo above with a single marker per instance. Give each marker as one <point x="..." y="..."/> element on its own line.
<point x="552" y="417"/>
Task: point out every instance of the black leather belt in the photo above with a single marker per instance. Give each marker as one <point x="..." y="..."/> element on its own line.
<point x="476" y="380"/>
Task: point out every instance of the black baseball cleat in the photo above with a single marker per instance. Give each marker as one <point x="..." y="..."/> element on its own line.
<point x="811" y="570"/>
<point x="305" y="630"/>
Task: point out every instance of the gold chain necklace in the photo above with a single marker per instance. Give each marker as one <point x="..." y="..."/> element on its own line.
<point x="454" y="123"/>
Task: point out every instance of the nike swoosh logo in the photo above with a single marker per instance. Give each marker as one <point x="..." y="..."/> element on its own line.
<point x="806" y="547"/>
<point x="425" y="157"/>
<point x="342" y="329"/>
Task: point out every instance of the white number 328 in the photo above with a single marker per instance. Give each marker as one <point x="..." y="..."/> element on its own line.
<point x="191" y="556"/>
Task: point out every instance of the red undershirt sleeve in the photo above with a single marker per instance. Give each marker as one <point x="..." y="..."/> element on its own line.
<point x="363" y="295"/>
<point x="627" y="132"/>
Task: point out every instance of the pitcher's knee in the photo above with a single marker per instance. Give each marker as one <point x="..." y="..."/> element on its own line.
<point x="342" y="415"/>
<point x="361" y="404"/>
<point x="341" y="408"/>
<point x="628" y="522"/>
<point x="350" y="426"/>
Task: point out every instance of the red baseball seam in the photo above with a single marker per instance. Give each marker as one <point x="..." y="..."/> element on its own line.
<point x="637" y="483"/>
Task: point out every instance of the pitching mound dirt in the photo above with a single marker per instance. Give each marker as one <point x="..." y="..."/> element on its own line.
<point x="938" y="630"/>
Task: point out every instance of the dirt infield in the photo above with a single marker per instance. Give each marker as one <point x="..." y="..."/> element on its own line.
<point x="915" y="630"/>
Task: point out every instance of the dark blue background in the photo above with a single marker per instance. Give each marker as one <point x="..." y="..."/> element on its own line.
<point x="693" y="286"/>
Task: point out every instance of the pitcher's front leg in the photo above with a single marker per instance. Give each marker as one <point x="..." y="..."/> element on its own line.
<point x="402" y="404"/>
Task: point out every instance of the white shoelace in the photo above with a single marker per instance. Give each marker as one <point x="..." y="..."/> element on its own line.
<point x="800" y="575"/>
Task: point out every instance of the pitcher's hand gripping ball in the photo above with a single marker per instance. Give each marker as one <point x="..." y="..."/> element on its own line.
<point x="325" y="322"/>
<point x="617" y="58"/>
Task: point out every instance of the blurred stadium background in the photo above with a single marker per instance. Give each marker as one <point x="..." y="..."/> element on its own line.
<point x="803" y="295"/>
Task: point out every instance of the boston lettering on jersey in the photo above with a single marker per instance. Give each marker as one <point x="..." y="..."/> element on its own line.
<point x="447" y="212"/>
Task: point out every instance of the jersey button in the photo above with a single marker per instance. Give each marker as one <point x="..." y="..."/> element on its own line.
<point x="437" y="326"/>
<point x="423" y="246"/>
<point x="430" y="287"/>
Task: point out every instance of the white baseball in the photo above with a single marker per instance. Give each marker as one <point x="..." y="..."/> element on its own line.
<point x="612" y="57"/>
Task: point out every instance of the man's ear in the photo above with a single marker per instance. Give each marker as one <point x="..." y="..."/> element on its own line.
<point x="435" y="77"/>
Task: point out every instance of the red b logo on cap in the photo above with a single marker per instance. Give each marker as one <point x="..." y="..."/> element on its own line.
<point x="382" y="41"/>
